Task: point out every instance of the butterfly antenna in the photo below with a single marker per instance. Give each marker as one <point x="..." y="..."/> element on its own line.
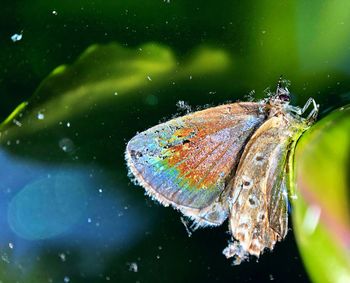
<point x="279" y="84"/>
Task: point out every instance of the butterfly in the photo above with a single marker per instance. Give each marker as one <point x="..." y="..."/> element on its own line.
<point x="230" y="161"/>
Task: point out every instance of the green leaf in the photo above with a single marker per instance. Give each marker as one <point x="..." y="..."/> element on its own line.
<point x="321" y="212"/>
<point x="105" y="71"/>
<point x="85" y="107"/>
<point x="323" y="43"/>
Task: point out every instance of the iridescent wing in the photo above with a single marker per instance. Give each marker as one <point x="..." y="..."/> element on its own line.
<point x="187" y="161"/>
<point x="258" y="216"/>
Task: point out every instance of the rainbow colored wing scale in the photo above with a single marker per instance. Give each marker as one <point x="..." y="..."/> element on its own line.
<point x="186" y="161"/>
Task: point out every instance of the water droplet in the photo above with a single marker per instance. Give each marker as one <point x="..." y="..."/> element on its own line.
<point x="133" y="267"/>
<point x="40" y="116"/>
<point x="16" y="37"/>
<point x="62" y="256"/>
<point x="66" y="145"/>
<point x="17" y="123"/>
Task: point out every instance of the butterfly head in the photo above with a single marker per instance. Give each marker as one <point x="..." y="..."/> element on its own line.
<point x="282" y="94"/>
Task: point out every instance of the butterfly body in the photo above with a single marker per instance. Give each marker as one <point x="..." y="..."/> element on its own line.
<point x="224" y="162"/>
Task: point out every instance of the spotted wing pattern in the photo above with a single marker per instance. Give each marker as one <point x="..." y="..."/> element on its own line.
<point x="187" y="161"/>
<point x="258" y="215"/>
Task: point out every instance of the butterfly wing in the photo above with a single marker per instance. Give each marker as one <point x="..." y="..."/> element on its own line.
<point x="186" y="161"/>
<point x="258" y="216"/>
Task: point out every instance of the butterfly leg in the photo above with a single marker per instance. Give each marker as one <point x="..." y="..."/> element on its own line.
<point x="313" y="113"/>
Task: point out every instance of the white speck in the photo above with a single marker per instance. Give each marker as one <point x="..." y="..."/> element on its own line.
<point x="16" y="37"/>
<point x="89" y="220"/>
<point x="40" y="116"/>
<point x="133" y="267"/>
<point x="66" y="279"/>
<point x="263" y="31"/>
<point x="190" y="77"/>
<point x="54" y="12"/>
<point x="212" y="92"/>
<point x="10" y="245"/>
<point x="17" y="123"/>
<point x="17" y="141"/>
<point x="158" y="256"/>
<point x="66" y="145"/>
<point x="160" y="247"/>
<point x="311" y="219"/>
<point x="115" y="93"/>
<point x="68" y="124"/>
<point x="100" y="190"/>
<point x="126" y="207"/>
<point x="149" y="78"/>
<point x="62" y="256"/>
<point x="294" y="196"/>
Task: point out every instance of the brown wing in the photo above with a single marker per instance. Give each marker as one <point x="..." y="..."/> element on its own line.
<point x="258" y="216"/>
<point x="186" y="161"/>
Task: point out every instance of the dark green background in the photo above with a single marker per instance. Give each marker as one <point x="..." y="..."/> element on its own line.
<point x="82" y="204"/>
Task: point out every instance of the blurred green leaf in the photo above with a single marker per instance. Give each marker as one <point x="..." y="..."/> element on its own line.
<point x="324" y="43"/>
<point x="85" y="106"/>
<point x="321" y="212"/>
